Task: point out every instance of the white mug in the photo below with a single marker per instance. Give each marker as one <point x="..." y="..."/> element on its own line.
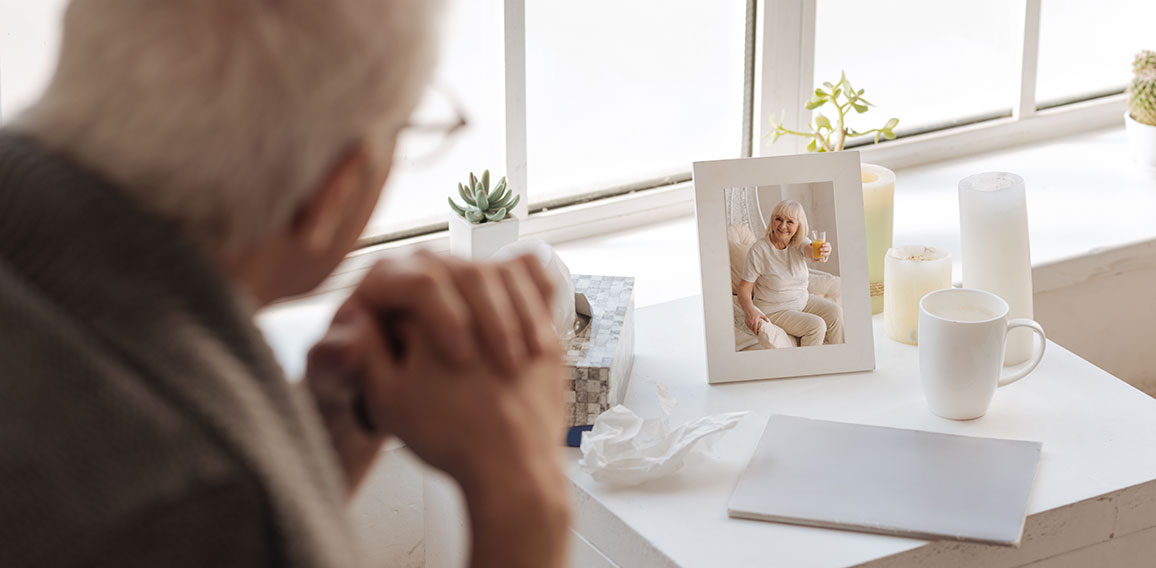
<point x="962" y="338"/>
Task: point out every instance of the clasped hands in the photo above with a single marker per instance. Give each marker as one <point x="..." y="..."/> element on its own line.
<point x="459" y="360"/>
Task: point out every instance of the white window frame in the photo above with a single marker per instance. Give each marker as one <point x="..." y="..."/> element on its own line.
<point x="784" y="49"/>
<point x="784" y="73"/>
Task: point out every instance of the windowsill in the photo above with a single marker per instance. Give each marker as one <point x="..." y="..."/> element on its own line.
<point x="1084" y="195"/>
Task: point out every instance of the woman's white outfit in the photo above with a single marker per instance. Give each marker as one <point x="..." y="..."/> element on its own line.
<point x="780" y="291"/>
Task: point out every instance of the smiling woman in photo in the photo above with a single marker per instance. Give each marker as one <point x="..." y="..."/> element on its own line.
<point x="775" y="278"/>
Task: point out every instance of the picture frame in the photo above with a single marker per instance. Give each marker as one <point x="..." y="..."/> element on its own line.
<point x="829" y="185"/>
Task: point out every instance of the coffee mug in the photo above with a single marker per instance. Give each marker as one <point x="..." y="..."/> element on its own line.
<point x="962" y="337"/>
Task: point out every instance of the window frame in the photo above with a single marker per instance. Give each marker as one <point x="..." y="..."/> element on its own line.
<point x="783" y="67"/>
<point x="780" y="67"/>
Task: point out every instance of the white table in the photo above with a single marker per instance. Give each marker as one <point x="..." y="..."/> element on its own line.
<point x="1094" y="501"/>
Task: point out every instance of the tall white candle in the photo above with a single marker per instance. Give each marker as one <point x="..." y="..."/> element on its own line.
<point x="909" y="273"/>
<point x="993" y="224"/>
<point x="878" y="202"/>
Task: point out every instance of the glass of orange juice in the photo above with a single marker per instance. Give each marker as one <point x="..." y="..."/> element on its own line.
<point x="818" y="239"/>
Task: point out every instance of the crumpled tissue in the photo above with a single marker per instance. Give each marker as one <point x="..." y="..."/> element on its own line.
<point x="625" y="449"/>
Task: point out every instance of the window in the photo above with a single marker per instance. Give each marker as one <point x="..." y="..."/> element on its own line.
<point x="29" y="40"/>
<point x="469" y="75"/>
<point x="576" y="101"/>
<point x="1087" y="46"/>
<point x="623" y="92"/>
<point x="931" y="64"/>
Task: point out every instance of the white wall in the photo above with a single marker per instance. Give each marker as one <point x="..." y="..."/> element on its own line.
<point x="29" y="37"/>
<point x="1102" y="306"/>
<point x="389" y="511"/>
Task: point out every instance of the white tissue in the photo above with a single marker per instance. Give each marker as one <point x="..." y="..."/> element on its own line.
<point x="563" y="308"/>
<point x="627" y="450"/>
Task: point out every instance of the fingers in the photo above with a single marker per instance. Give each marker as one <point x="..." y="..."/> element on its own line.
<point x="755" y="322"/>
<point x="380" y="381"/>
<point x="336" y="356"/>
<point x="537" y="273"/>
<point x="495" y="316"/>
<point x="422" y="286"/>
<point x="530" y="306"/>
<point x="467" y="309"/>
<point x="349" y="356"/>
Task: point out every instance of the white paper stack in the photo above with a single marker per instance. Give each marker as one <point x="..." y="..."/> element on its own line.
<point x="888" y="480"/>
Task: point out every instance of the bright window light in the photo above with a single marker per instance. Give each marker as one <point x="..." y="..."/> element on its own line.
<point x="619" y="92"/>
<point x="931" y="64"/>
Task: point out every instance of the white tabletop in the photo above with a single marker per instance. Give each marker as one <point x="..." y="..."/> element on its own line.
<point x="1095" y="481"/>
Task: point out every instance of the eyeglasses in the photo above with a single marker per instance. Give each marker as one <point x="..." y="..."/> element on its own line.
<point x="431" y="130"/>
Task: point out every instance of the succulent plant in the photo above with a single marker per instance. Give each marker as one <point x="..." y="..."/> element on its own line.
<point x="483" y="205"/>
<point x="1142" y="92"/>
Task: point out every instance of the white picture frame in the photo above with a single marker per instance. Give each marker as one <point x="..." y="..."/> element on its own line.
<point x="835" y="175"/>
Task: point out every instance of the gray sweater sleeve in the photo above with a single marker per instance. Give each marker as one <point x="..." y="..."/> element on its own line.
<point x="200" y="530"/>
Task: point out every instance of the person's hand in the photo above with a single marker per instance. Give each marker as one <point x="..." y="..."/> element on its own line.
<point x="473" y="311"/>
<point x="825" y="252"/>
<point x="461" y="414"/>
<point x="476" y="315"/>
<point x="461" y="362"/>
<point x="334" y="374"/>
<point x="755" y="317"/>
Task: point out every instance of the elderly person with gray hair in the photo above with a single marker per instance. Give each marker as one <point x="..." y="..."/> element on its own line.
<point x="775" y="281"/>
<point x="190" y="162"/>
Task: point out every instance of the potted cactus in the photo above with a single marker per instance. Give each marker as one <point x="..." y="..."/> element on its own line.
<point x="484" y="223"/>
<point x="1140" y="119"/>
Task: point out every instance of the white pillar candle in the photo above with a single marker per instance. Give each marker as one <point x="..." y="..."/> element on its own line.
<point x="878" y="206"/>
<point x="909" y="273"/>
<point x="993" y="225"/>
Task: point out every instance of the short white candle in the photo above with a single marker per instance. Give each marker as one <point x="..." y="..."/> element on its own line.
<point x="878" y="207"/>
<point x="909" y="273"/>
<point x="993" y="226"/>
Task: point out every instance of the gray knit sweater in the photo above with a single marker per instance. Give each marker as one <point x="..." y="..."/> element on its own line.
<point x="143" y="419"/>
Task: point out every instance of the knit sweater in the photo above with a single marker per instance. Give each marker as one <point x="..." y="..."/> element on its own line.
<point x="143" y="418"/>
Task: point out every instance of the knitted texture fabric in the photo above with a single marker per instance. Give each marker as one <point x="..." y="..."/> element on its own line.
<point x="143" y="418"/>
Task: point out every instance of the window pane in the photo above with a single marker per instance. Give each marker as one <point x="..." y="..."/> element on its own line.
<point x="469" y="74"/>
<point x="1087" y="46"/>
<point x="931" y="64"/>
<point x="619" y="92"/>
<point x="29" y="40"/>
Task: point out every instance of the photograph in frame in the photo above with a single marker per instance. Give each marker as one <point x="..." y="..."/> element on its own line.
<point x="784" y="270"/>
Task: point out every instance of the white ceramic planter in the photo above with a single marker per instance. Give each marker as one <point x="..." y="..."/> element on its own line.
<point x="479" y="242"/>
<point x="1142" y="139"/>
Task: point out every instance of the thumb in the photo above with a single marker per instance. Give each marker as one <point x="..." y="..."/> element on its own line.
<point x="380" y="366"/>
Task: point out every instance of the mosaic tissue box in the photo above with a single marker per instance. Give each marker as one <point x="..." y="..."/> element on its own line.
<point x="601" y="353"/>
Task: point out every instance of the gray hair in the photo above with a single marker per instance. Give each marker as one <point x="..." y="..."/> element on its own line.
<point x="794" y="210"/>
<point x="225" y="115"/>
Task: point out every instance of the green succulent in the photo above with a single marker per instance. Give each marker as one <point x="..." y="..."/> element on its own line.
<point x="1142" y="92"/>
<point x="483" y="205"/>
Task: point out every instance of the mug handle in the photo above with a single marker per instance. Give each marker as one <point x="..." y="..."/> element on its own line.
<point x="1037" y="355"/>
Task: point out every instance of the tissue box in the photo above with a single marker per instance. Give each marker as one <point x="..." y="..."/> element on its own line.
<point x="599" y="357"/>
